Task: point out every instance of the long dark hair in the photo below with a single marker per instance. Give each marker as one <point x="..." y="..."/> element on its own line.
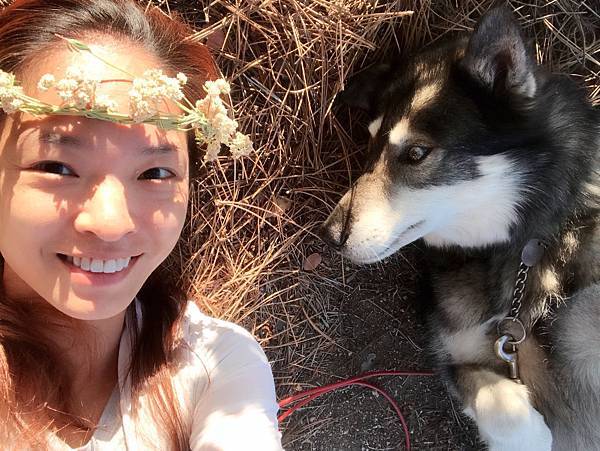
<point x="30" y="375"/>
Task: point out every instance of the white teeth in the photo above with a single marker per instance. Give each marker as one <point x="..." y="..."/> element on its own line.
<point x="96" y="265"/>
<point x="100" y="266"/>
<point x="110" y="266"/>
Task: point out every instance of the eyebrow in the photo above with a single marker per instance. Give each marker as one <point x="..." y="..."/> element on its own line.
<point x="58" y="138"/>
<point x="73" y="141"/>
<point x="160" y="149"/>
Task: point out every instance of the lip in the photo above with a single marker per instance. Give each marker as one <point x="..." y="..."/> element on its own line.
<point x="414" y="226"/>
<point x="100" y="257"/>
<point x="393" y="247"/>
<point x="87" y="278"/>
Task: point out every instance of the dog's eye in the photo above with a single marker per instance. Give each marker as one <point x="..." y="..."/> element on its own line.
<point x="416" y="154"/>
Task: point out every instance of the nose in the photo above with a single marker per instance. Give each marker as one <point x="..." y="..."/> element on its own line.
<point x="106" y="212"/>
<point x="334" y="230"/>
<point x="327" y="235"/>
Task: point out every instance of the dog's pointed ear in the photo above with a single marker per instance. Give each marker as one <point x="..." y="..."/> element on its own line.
<point x="499" y="57"/>
<point x="363" y="89"/>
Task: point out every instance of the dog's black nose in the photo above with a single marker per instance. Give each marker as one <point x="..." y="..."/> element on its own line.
<point x="334" y="231"/>
<point x="327" y="234"/>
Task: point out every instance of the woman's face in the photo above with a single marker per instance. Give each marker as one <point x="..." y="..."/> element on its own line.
<point x="76" y="190"/>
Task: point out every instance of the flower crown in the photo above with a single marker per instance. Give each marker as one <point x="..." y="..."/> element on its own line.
<point x="207" y="117"/>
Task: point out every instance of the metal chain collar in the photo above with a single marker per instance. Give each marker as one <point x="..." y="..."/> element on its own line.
<point x="515" y="307"/>
<point x="532" y="253"/>
<point x="505" y="346"/>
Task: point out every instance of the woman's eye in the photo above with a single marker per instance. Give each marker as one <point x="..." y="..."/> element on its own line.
<point x="157" y="173"/>
<point x="416" y="154"/>
<point x="53" y="167"/>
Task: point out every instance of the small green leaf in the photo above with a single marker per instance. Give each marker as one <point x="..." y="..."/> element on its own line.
<point x="78" y="45"/>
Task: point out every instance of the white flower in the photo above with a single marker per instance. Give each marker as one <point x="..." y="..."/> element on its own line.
<point x="217" y="87"/>
<point x="212" y="150"/>
<point x="240" y="145"/>
<point x="211" y="107"/>
<point x="82" y="98"/>
<point x="209" y="119"/>
<point x="172" y="88"/>
<point x="139" y="108"/>
<point x="65" y="95"/>
<point x="215" y="125"/>
<point x="11" y="105"/>
<point x="150" y="90"/>
<point x="7" y="80"/>
<point x="224" y="126"/>
<point x="103" y="102"/>
<point x="46" y="82"/>
<point x="182" y="78"/>
<point x="212" y="89"/>
<point x="10" y="94"/>
<point x="77" y="88"/>
<point x="223" y="86"/>
<point x="67" y="84"/>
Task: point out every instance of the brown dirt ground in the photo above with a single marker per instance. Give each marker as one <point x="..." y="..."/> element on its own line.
<point x="376" y="327"/>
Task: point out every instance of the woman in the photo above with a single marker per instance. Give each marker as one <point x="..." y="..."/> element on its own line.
<point x="99" y="346"/>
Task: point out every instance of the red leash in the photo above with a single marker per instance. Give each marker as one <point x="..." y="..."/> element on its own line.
<point x="301" y="399"/>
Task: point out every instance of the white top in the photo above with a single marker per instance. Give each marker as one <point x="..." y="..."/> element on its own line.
<point x="225" y="386"/>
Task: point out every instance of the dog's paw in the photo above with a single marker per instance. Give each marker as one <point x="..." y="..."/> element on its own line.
<point x="506" y="419"/>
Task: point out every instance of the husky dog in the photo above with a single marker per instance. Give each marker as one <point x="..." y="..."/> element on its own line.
<point x="481" y="153"/>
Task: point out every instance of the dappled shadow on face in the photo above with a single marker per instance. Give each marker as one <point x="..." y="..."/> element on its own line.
<point x="105" y="181"/>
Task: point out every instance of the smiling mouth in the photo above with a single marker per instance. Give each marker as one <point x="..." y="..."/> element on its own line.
<point x="97" y="266"/>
